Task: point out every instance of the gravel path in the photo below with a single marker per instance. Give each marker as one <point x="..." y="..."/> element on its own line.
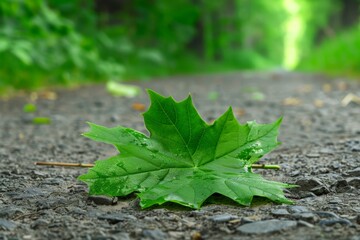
<point x="320" y="152"/>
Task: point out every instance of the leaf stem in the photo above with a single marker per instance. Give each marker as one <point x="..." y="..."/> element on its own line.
<point x="264" y="166"/>
<point x="63" y="164"/>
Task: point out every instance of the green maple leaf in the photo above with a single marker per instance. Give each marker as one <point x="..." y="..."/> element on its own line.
<point x="185" y="160"/>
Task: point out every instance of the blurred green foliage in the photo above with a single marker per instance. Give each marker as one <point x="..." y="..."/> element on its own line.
<point x="339" y="55"/>
<point x="40" y="47"/>
<point x="55" y="42"/>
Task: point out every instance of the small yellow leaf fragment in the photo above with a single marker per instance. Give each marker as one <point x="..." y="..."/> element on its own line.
<point x="291" y="101"/>
<point x="327" y="87"/>
<point x="307" y="88"/>
<point x="350" y="98"/>
<point x="342" y="86"/>
<point x="318" y="103"/>
<point x="239" y="112"/>
<point x="48" y="95"/>
<point x="138" y="106"/>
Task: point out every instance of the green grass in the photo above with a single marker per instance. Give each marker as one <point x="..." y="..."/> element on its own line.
<point x="339" y="55"/>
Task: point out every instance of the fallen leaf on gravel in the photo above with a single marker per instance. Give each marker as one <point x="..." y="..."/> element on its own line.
<point x="327" y="87"/>
<point x="342" y="86"/>
<point x="185" y="160"/>
<point x="306" y="88"/>
<point x="318" y="103"/>
<point x="239" y="112"/>
<point x="122" y="90"/>
<point x="291" y="101"/>
<point x="29" y="108"/>
<point x="41" y="120"/>
<point x="350" y="98"/>
<point x="138" y="106"/>
<point x="48" y="95"/>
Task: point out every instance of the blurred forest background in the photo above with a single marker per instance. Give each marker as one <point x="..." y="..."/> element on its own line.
<point x="52" y="42"/>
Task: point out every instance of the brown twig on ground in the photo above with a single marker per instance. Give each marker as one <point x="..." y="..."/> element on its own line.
<point x="63" y="164"/>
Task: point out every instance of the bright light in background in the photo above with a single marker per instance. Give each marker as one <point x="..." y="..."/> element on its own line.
<point x="294" y="30"/>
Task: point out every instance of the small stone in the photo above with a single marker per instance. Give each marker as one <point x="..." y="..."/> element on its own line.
<point x="353" y="173"/>
<point x="116" y="217"/>
<point x="245" y="220"/>
<point x="7" y="225"/>
<point x="10" y="211"/>
<point x="98" y="103"/>
<point x="342" y="186"/>
<point x="306" y="194"/>
<point x="320" y="190"/>
<point x="114" y="118"/>
<point x="103" y="200"/>
<point x="298" y="209"/>
<point x="313" y="155"/>
<point x="122" y="236"/>
<point x="305" y="224"/>
<point x="307" y="184"/>
<point x="76" y="210"/>
<point x="335" y="201"/>
<point x="355" y="182"/>
<point x="280" y="212"/>
<point x="267" y="226"/>
<point x="295" y="173"/>
<point x="223" y="218"/>
<point x="326" y="151"/>
<point x="331" y="222"/>
<point x="39" y="223"/>
<point x="155" y="234"/>
<point x="101" y="237"/>
<point x="176" y="235"/>
<point x="305" y="216"/>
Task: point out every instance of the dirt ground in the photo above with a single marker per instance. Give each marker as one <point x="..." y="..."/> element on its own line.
<point x="320" y="151"/>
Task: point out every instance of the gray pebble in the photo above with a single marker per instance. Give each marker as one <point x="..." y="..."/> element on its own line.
<point x="320" y="190"/>
<point x="116" y="217"/>
<point x="326" y="151"/>
<point x="155" y="234"/>
<point x="103" y="200"/>
<point x="7" y="225"/>
<point x="10" y="211"/>
<point x="305" y="216"/>
<point x="246" y="220"/>
<point x="114" y="118"/>
<point x="267" y="226"/>
<point x="335" y="201"/>
<point x="295" y="173"/>
<point x="342" y="186"/>
<point x="355" y="182"/>
<point x="313" y="155"/>
<point x="223" y="218"/>
<point x="306" y="194"/>
<point x="353" y="173"/>
<point x="52" y="181"/>
<point x="307" y="184"/>
<point x="39" y="223"/>
<point x="331" y="222"/>
<point x="280" y="212"/>
<point x="298" y="209"/>
<point x="305" y="224"/>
